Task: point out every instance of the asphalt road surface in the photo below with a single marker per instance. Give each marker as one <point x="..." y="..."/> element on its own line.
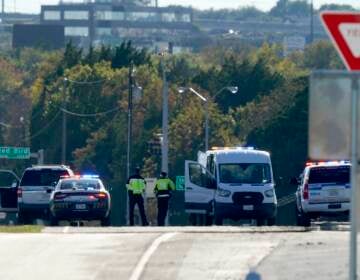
<point x="174" y="253"/>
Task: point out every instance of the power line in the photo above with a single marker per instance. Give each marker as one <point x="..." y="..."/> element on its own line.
<point x="90" y="115"/>
<point x="44" y="128"/>
<point x="86" y="82"/>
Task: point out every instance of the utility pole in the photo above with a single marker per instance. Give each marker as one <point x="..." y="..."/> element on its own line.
<point x="165" y="120"/>
<point x="129" y="126"/>
<point x="64" y="136"/>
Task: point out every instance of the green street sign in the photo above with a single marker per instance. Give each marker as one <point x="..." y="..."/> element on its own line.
<point x="180" y="183"/>
<point x="15" y="152"/>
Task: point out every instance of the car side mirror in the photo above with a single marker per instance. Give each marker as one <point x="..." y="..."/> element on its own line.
<point x="294" y="181"/>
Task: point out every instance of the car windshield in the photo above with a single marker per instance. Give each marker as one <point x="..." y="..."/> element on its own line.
<point x="43" y="177"/>
<point x="245" y="173"/>
<point x="330" y="174"/>
<point x="80" y="185"/>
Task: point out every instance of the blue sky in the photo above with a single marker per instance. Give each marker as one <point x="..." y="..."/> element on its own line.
<point x="33" y="6"/>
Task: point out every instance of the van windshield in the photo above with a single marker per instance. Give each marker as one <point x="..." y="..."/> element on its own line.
<point x="43" y="177"/>
<point x="245" y="173"/>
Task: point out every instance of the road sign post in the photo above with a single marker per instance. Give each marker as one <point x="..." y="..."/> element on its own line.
<point x="344" y="30"/>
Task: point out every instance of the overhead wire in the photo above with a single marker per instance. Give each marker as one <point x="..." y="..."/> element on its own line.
<point x="43" y="129"/>
<point x="91" y="114"/>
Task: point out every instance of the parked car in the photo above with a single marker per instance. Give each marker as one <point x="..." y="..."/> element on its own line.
<point x="35" y="188"/>
<point x="323" y="191"/>
<point x="80" y="198"/>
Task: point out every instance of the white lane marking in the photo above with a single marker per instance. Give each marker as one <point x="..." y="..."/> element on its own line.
<point x="66" y="229"/>
<point x="148" y="253"/>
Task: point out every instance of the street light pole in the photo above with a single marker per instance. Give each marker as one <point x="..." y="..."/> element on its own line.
<point x="206" y="100"/>
<point x="165" y="120"/>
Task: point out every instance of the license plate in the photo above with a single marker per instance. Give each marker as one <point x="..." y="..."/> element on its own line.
<point x="2" y="215"/>
<point x="334" y="206"/>
<point x="248" y="207"/>
<point x="80" y="206"/>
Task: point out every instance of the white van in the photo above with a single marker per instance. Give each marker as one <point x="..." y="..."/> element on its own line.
<point x="231" y="183"/>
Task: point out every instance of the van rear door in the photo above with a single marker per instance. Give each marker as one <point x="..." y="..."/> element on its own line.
<point x="200" y="188"/>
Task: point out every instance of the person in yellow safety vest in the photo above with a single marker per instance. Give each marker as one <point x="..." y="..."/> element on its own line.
<point x="136" y="187"/>
<point x="163" y="188"/>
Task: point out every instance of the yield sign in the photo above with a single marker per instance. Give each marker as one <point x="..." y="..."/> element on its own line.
<point x="344" y="30"/>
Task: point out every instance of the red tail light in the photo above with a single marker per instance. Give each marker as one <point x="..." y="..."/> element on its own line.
<point x="60" y="196"/>
<point x="306" y="191"/>
<point x="19" y="192"/>
<point x="101" y="195"/>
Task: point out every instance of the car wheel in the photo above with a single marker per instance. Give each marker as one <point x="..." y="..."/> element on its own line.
<point x="105" y="222"/>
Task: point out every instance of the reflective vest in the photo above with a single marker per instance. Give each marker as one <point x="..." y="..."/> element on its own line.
<point x="137" y="186"/>
<point x="163" y="186"/>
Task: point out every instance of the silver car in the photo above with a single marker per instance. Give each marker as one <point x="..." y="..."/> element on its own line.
<point x="35" y="188"/>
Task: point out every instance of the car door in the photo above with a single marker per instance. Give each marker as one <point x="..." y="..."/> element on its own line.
<point x="8" y="189"/>
<point x="200" y="188"/>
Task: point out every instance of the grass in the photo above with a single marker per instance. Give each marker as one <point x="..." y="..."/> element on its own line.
<point x="21" y="229"/>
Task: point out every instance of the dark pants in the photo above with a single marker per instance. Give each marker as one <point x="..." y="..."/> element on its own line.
<point x="139" y="200"/>
<point x="163" y="206"/>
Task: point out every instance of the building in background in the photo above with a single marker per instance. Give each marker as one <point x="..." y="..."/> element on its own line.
<point x="112" y="22"/>
<point x="42" y="36"/>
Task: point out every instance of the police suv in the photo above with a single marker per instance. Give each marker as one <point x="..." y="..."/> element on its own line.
<point x="231" y="183"/>
<point x="323" y="190"/>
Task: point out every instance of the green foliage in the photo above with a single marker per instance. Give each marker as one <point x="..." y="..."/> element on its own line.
<point x="284" y="8"/>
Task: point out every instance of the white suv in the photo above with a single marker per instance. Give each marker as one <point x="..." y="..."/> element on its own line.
<point x="36" y="185"/>
<point x="324" y="190"/>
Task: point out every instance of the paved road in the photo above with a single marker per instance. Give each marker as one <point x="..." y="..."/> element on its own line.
<point x="174" y="253"/>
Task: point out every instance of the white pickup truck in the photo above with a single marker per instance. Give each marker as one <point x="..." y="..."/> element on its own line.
<point x="230" y="183"/>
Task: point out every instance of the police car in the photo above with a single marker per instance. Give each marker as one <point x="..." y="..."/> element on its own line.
<point x="80" y="198"/>
<point x="324" y="190"/>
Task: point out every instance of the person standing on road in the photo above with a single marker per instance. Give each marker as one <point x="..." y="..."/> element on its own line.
<point x="136" y="188"/>
<point x="163" y="188"/>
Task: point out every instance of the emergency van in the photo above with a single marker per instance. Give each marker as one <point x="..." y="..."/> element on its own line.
<point x="230" y="183"/>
